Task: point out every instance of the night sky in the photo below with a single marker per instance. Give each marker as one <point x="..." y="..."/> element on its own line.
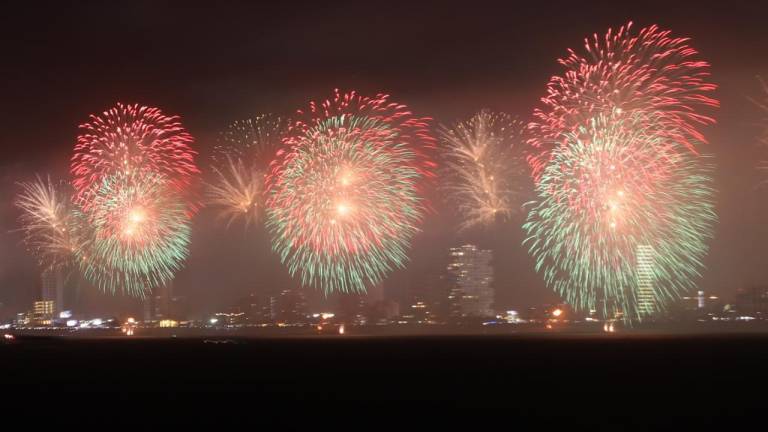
<point x="212" y="63"/>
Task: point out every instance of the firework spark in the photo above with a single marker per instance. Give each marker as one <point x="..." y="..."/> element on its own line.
<point x="412" y="130"/>
<point x="623" y="73"/>
<point x="52" y="229"/>
<point x="240" y="165"/>
<point x="253" y="140"/>
<point x="237" y="192"/>
<point x="343" y="201"/>
<point x="131" y="139"/>
<point x="623" y="216"/>
<point x="140" y="234"/>
<point x="483" y="171"/>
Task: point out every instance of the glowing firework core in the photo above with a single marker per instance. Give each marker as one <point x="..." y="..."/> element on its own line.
<point x="343" y="201"/>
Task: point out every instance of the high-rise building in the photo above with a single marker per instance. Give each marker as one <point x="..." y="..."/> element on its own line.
<point x="351" y="309"/>
<point x="162" y="304"/>
<point x="53" y="288"/>
<point x="646" y="299"/>
<point x="425" y="299"/>
<point x="257" y="308"/>
<point x="290" y="307"/>
<point x="471" y="293"/>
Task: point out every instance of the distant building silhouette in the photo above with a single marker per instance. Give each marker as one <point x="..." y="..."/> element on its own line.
<point x="352" y="309"/>
<point x="753" y="301"/>
<point x="289" y="307"/>
<point x="53" y="281"/>
<point x="256" y="307"/>
<point x="162" y="305"/>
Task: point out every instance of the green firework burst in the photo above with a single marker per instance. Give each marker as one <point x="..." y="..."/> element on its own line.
<point x="622" y="217"/>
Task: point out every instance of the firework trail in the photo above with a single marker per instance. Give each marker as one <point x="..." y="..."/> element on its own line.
<point x="236" y="192"/>
<point x="623" y="73"/>
<point x="50" y="222"/>
<point x="240" y="164"/>
<point x="622" y="217"/>
<point x="483" y="168"/>
<point x="343" y="199"/>
<point x="140" y="230"/>
<point x="131" y="139"/>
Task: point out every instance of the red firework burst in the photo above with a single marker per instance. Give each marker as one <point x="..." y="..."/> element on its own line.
<point x="650" y="71"/>
<point x="129" y="139"/>
<point x="415" y="131"/>
<point x="343" y="199"/>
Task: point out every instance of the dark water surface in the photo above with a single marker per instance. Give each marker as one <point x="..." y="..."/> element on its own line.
<point x="550" y="374"/>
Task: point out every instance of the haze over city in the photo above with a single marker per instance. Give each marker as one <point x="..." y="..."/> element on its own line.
<point x="211" y="72"/>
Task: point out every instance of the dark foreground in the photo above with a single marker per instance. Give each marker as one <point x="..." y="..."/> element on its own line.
<point x="577" y="375"/>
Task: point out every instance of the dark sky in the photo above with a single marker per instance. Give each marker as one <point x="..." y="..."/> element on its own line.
<point x="214" y="62"/>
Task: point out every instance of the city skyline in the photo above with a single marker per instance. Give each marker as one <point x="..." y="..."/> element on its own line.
<point x="226" y="264"/>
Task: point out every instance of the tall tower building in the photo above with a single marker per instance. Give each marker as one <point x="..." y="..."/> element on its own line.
<point x="646" y="299"/>
<point x="290" y="306"/>
<point x="162" y="304"/>
<point x="472" y="274"/>
<point x="53" y="288"/>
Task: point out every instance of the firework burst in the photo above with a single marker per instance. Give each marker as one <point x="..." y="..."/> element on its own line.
<point x="412" y="130"/>
<point x="623" y="73"/>
<point x="623" y="216"/>
<point x="343" y="202"/>
<point x="483" y="171"/>
<point x="50" y="222"/>
<point x="253" y="140"/>
<point x="236" y="192"/>
<point x="240" y="165"/>
<point x="133" y="172"/>
<point x="140" y="234"/>
<point x="131" y="139"/>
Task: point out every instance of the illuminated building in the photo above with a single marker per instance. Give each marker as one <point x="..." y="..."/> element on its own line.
<point x="646" y="299"/>
<point x="511" y="317"/>
<point x="167" y="323"/>
<point x="43" y="312"/>
<point x="229" y="319"/>
<point x="419" y="312"/>
<point x="453" y="303"/>
<point x="471" y="294"/>
<point x="698" y="307"/>
<point x="22" y="319"/>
